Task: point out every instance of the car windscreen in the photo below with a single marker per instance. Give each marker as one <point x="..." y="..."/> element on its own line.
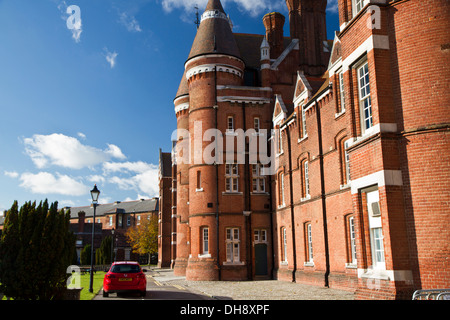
<point x="125" y="268"/>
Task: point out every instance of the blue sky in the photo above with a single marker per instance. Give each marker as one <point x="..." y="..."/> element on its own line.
<point x="94" y="104"/>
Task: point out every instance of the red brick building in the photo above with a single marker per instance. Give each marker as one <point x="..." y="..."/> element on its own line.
<point x="359" y="197"/>
<point x="118" y="217"/>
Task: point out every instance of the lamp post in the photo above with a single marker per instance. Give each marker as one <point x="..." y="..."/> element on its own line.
<point x="95" y="193"/>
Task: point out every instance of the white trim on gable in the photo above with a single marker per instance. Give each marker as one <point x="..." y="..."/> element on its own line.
<point x="306" y="93"/>
<point x="280" y="117"/>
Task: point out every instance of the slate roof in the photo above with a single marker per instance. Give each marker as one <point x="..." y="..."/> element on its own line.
<point x="137" y="206"/>
<point x="214" y="35"/>
<point x="183" y="88"/>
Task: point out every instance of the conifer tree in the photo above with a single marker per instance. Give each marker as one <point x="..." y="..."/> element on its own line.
<point x="36" y="248"/>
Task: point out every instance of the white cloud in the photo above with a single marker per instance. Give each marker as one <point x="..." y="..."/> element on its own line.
<point x="68" y="152"/>
<point x="81" y="135"/>
<point x="143" y="179"/>
<point x="332" y="6"/>
<point x="137" y="167"/>
<point x="96" y="178"/>
<point x="66" y="203"/>
<point x="111" y="57"/>
<point x="254" y="7"/>
<point x="47" y="183"/>
<point x="115" y="152"/>
<point x="11" y="174"/>
<point x="130" y="22"/>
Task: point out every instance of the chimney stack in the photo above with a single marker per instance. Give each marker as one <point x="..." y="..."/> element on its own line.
<point x="81" y="216"/>
<point x="274" y="24"/>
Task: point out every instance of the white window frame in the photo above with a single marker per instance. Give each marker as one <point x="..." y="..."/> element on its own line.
<point x="306" y="173"/>
<point x="341" y="91"/>
<point x="232" y="242"/>
<point x="199" y="181"/>
<point x="232" y="177"/>
<point x="260" y="235"/>
<point x="352" y="234"/>
<point x="347" y="167"/>
<point x="376" y="232"/>
<point x="280" y="142"/>
<point x="365" y="100"/>
<point x="258" y="179"/>
<point x="284" y="244"/>
<point x="257" y="124"/>
<point x="304" y="133"/>
<point x="309" y="243"/>
<point x="281" y="186"/>
<point x="358" y="5"/>
<point x="110" y="221"/>
<point x="205" y="240"/>
<point x="230" y="124"/>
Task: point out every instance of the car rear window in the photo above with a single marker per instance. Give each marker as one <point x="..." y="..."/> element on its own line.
<point x="125" y="268"/>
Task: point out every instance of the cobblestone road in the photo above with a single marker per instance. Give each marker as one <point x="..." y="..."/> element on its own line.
<point x="251" y="290"/>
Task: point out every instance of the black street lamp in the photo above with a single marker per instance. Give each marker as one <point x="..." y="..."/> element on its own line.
<point x="95" y="193"/>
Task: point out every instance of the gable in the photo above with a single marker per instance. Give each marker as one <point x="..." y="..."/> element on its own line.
<point x="280" y="110"/>
<point x="336" y="51"/>
<point x="303" y="89"/>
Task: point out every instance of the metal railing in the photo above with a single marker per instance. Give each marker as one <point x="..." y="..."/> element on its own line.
<point x="433" y="294"/>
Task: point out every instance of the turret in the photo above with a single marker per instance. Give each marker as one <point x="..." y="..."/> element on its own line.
<point x="181" y="103"/>
<point x="214" y="60"/>
<point x="265" y="63"/>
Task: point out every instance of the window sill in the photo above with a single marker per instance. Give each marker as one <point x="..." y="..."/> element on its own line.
<point x="302" y="139"/>
<point x="205" y="255"/>
<point x="233" y="263"/>
<point x="259" y="193"/>
<point x="283" y="263"/>
<point x="282" y="206"/>
<point x="339" y="114"/>
<point x="308" y="197"/>
<point x="345" y="186"/>
<point x="231" y="193"/>
<point x="350" y="265"/>
<point x="308" y="264"/>
<point x="230" y="133"/>
<point x="379" y="274"/>
<point x="199" y="190"/>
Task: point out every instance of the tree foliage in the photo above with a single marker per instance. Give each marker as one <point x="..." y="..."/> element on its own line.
<point x="85" y="255"/>
<point x="36" y="248"/>
<point x="143" y="238"/>
<point x="103" y="254"/>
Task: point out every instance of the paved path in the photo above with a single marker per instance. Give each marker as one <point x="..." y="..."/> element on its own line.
<point x="248" y="290"/>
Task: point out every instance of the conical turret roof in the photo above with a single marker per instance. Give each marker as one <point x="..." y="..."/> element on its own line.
<point x="183" y="88"/>
<point x="214" y="5"/>
<point x="214" y="34"/>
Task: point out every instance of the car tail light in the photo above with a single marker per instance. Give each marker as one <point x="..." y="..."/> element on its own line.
<point x="141" y="276"/>
<point x="110" y="276"/>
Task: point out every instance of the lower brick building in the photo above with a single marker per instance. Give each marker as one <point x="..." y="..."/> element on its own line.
<point x="355" y="195"/>
<point x="111" y="220"/>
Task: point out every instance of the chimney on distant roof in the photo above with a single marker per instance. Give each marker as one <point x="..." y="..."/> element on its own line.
<point x="81" y="217"/>
<point x="274" y="24"/>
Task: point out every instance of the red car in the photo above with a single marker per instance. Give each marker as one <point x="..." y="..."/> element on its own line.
<point x="126" y="276"/>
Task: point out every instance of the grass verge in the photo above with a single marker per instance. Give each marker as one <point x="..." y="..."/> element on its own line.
<point x="96" y="286"/>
